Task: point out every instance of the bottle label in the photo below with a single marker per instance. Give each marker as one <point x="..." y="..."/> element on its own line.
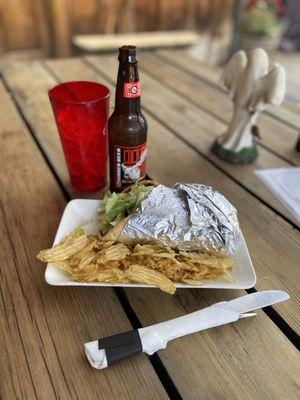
<point x="130" y="164"/>
<point x="131" y="90"/>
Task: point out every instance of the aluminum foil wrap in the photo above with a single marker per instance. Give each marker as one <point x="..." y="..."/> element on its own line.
<point x="187" y="217"/>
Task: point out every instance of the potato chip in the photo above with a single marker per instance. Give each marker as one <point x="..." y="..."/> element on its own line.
<point x="107" y="244"/>
<point x="105" y="276"/>
<point x="64" y="266"/>
<point x="118" y="273"/>
<point x="86" y="250"/>
<point x="76" y="233"/>
<point x="113" y="253"/>
<point x="87" y="275"/>
<point x="145" y="249"/>
<point x="201" y="274"/>
<point x="85" y="261"/>
<point x="64" y="250"/>
<point x="141" y="274"/>
<point x="228" y="276"/>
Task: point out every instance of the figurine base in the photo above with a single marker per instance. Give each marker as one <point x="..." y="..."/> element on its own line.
<point x="244" y="156"/>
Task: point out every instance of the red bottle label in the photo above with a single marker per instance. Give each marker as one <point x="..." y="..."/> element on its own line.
<point x="131" y="90"/>
<point x="130" y="164"/>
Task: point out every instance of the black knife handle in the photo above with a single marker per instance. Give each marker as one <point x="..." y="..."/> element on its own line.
<point x="123" y="345"/>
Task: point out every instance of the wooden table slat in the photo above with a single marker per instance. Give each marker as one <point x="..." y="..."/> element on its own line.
<point x="43" y="328"/>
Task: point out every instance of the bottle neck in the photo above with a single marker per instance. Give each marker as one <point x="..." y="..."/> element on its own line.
<point x="127" y="89"/>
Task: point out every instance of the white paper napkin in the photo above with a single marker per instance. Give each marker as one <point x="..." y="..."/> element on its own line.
<point x="284" y="183"/>
<point x="104" y="352"/>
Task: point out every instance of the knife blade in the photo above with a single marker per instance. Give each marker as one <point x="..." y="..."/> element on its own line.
<point x="257" y="300"/>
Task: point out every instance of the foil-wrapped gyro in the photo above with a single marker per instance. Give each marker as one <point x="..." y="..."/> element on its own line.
<point x="187" y="217"/>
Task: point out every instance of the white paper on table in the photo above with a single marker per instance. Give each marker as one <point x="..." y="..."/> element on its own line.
<point x="284" y="183"/>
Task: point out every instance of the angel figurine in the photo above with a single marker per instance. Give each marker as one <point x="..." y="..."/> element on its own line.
<point x="252" y="82"/>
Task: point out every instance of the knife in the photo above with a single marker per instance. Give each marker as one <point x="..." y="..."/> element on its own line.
<point x="104" y="352"/>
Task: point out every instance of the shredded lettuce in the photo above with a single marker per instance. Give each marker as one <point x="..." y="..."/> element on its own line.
<point x="117" y="206"/>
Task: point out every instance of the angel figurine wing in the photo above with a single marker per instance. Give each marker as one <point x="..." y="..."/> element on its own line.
<point x="269" y="89"/>
<point x="233" y="72"/>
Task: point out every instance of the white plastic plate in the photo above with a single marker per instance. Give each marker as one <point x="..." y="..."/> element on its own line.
<point x="84" y="212"/>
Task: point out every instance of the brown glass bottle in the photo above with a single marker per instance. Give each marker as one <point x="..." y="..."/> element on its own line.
<point x="127" y="127"/>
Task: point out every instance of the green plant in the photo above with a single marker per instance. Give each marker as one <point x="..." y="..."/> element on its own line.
<point x="260" y="20"/>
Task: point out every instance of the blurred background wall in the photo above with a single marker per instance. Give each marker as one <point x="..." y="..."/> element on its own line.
<point x="37" y="28"/>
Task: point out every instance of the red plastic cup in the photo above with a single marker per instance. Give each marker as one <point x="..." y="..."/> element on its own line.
<point x="81" y="112"/>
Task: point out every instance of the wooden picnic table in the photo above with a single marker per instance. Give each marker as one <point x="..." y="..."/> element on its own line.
<point x="43" y="328"/>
